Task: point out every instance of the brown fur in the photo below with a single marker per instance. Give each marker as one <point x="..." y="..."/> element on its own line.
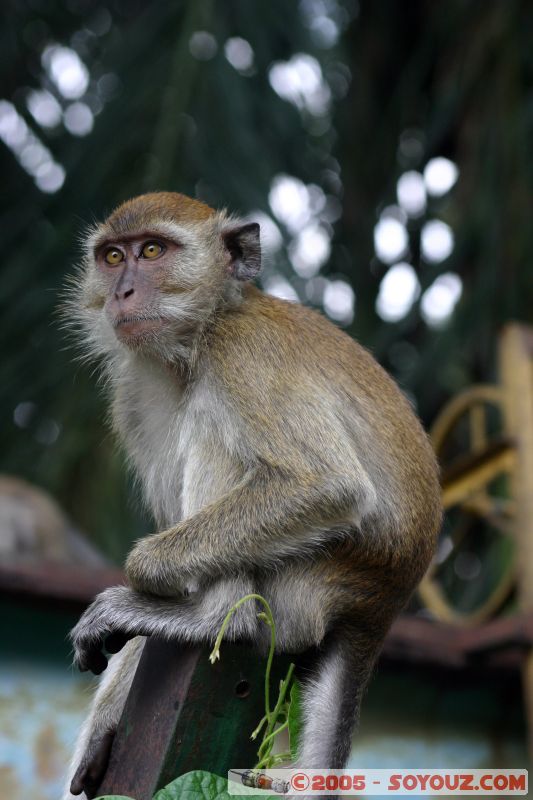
<point x="142" y="211"/>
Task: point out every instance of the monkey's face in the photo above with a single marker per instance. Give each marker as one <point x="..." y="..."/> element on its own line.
<point x="135" y="270"/>
<point x="154" y="286"/>
<point x="157" y="269"/>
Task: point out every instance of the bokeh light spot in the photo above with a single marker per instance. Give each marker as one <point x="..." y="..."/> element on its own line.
<point x="398" y="291"/>
<point x="440" y="299"/>
<point x="411" y="193"/>
<point x="202" y="46"/>
<point x="78" y="119"/>
<point x="66" y="70"/>
<point x="390" y="239"/>
<point x="436" y="241"/>
<point x="339" y="301"/>
<point x="239" y="53"/>
<point x="440" y="175"/>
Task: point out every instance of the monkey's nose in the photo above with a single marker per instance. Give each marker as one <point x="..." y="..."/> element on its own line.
<point x="123" y="295"/>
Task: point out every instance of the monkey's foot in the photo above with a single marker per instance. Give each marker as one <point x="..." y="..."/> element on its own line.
<point x="91" y="771"/>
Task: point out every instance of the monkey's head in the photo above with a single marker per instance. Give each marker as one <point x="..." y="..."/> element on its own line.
<point x="156" y="271"/>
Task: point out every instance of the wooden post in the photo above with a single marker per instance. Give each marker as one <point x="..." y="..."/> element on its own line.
<point x="183" y="714"/>
<point x="516" y="366"/>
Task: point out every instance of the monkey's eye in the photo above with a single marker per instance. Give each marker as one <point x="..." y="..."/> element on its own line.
<point x="151" y="250"/>
<point x="113" y="256"/>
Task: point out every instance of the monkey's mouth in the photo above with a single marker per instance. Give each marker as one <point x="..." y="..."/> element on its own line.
<point x="132" y="325"/>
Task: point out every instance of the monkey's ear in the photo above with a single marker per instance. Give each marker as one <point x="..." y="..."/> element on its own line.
<point x="244" y="246"/>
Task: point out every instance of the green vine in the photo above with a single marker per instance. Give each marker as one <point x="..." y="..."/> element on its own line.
<point x="275" y="719"/>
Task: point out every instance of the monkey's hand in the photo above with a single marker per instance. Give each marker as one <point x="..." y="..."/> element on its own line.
<point x="162" y="564"/>
<point x="117" y="615"/>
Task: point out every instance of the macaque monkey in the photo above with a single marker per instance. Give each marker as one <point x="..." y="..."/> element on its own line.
<point x="276" y="456"/>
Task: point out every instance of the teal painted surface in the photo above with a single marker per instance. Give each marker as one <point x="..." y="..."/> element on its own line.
<point x="42" y="702"/>
<point x="427" y="719"/>
<point x="41" y="708"/>
<point x="31" y="632"/>
<point x="424" y="718"/>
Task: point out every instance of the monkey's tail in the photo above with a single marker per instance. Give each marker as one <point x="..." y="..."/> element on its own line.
<point x="332" y="690"/>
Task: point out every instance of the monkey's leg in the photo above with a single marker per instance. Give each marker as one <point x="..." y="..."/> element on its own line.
<point x="331" y="698"/>
<point x="91" y="754"/>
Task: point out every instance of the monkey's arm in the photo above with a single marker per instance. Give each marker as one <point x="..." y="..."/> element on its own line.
<point x="271" y="514"/>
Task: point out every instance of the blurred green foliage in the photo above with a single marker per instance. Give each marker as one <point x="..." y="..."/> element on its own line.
<point x="455" y="77"/>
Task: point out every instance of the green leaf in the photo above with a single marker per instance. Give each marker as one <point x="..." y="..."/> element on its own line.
<point x="295" y="718"/>
<point x="197" y="785"/>
<point x="113" y="797"/>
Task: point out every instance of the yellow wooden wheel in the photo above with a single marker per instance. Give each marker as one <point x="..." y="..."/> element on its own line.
<point x="476" y="457"/>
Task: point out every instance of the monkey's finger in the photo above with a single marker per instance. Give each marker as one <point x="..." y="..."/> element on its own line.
<point x="79" y="781"/>
<point x="76" y="784"/>
<point x="91" y="771"/>
<point x="98" y="662"/>
<point x="82" y="782"/>
<point x="116" y="641"/>
<point x="92" y="660"/>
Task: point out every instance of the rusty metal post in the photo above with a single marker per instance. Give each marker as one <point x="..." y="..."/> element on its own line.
<point x="516" y="366"/>
<point x="182" y="714"/>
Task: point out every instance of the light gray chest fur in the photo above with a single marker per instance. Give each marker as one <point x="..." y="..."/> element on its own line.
<point x="183" y="441"/>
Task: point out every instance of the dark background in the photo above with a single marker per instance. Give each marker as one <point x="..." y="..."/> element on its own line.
<point x="167" y="96"/>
